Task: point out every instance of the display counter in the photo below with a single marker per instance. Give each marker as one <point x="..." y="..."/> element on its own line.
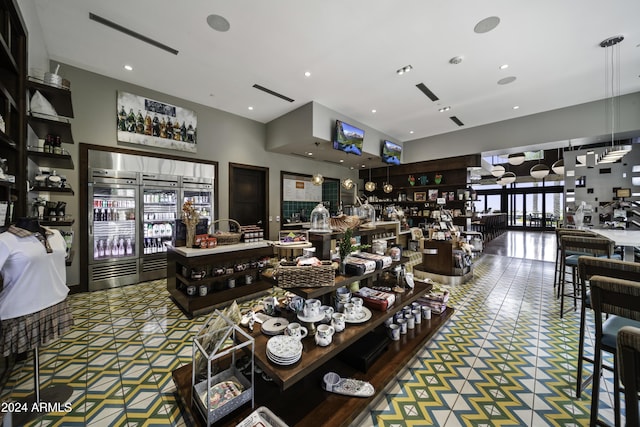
<point x="200" y="280"/>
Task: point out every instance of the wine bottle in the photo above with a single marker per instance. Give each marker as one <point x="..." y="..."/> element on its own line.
<point x="129" y="249"/>
<point x="169" y="129"/>
<point x="121" y="247"/>
<point x="147" y="125"/>
<point x="156" y="126"/>
<point x="139" y="123"/>
<point x="131" y="121"/>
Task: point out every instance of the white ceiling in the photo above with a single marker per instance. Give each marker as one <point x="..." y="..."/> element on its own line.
<point x="353" y="49"/>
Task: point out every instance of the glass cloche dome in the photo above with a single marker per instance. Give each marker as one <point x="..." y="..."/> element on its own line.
<point x="368" y="213"/>
<point x="320" y="220"/>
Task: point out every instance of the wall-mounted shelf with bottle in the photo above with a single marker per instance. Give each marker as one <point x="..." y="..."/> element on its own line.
<point x="42" y="158"/>
<point x="46" y="123"/>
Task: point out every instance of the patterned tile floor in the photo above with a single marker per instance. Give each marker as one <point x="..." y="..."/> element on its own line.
<point x="504" y="359"/>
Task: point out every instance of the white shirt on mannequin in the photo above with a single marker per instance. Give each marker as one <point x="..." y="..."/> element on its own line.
<point x="33" y="278"/>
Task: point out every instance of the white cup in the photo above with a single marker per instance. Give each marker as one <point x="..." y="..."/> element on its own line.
<point x="411" y="322"/>
<point x="394" y="332"/>
<point x="311" y="308"/>
<point x="203" y="290"/>
<point x="358" y="303"/>
<point x="402" y="323"/>
<point x="269" y="305"/>
<point x="350" y="310"/>
<point x="296" y="330"/>
<point x="338" y="321"/>
<point x="426" y="313"/>
<point x="417" y="315"/>
<point x="328" y="312"/>
<point x="324" y="335"/>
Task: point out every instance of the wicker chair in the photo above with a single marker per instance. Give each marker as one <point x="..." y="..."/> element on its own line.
<point x="591" y="266"/>
<point x="620" y="299"/>
<point x="629" y="367"/>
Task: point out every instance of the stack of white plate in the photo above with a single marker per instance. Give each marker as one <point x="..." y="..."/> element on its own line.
<point x="284" y="350"/>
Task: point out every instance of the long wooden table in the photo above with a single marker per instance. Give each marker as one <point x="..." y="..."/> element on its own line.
<point x="295" y="393"/>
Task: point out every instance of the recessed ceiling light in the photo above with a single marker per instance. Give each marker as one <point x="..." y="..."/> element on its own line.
<point x="307" y="73"/>
<point x="486" y="25"/>
<point x="341" y="160"/>
<point x="504" y="66"/>
<point x="507" y="80"/>
<point x="364" y="166"/>
<point x="310" y="153"/>
<point x="443" y="109"/>
<point x="351" y="167"/>
<point x="374" y="111"/>
<point x="128" y="67"/>
<point x="218" y="23"/>
<point x="250" y="108"/>
<point x="411" y="132"/>
<point x="515" y="107"/>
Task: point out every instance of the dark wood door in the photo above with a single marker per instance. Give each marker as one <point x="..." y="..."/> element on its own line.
<point x="249" y="195"/>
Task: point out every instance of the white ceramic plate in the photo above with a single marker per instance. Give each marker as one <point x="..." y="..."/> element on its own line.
<point x="311" y="319"/>
<point x="274" y="326"/>
<point x="363" y="316"/>
<point x="284" y="347"/>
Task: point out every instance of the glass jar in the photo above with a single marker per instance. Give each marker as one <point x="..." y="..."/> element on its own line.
<point x="368" y="213"/>
<point x="320" y="219"/>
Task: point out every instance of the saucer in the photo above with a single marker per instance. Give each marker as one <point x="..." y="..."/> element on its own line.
<point x="311" y="319"/>
<point x="274" y="326"/>
<point x="361" y="317"/>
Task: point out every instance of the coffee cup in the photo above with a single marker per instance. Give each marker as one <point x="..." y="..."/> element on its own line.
<point x="426" y="313"/>
<point x="411" y="321"/>
<point x="191" y="290"/>
<point x="296" y="330"/>
<point x="203" y="290"/>
<point x="296" y="304"/>
<point x="358" y="303"/>
<point x="402" y="323"/>
<point x="350" y="310"/>
<point x="417" y="315"/>
<point x="324" y="335"/>
<point x="343" y="295"/>
<point x="394" y="332"/>
<point x="338" y="321"/>
<point x="311" y="308"/>
<point x="330" y="379"/>
<point x="328" y="312"/>
<point x="269" y="305"/>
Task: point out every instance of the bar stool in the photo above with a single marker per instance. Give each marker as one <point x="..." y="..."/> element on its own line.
<point x="629" y="366"/>
<point x="620" y="299"/>
<point x="565" y="232"/>
<point x="592" y="266"/>
<point x="572" y="247"/>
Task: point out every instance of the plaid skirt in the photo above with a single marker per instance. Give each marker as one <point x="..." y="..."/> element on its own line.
<point x="27" y="332"/>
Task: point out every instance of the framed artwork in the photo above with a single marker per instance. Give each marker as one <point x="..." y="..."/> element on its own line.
<point x="153" y="123"/>
<point x="433" y="195"/>
<point x="420" y="196"/>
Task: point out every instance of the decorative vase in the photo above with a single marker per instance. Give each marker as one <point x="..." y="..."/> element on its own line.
<point x="342" y="267"/>
<point x="191" y="235"/>
<point x="438" y="179"/>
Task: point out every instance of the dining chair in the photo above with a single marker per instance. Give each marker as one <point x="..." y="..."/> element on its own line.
<point x="573" y="247"/>
<point x="620" y="299"/>
<point x="593" y="266"/>
<point x="629" y="367"/>
<point x="565" y="232"/>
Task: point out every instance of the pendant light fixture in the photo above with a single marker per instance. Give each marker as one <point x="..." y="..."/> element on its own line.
<point x="516" y="159"/>
<point x="347" y="183"/>
<point x="558" y="166"/>
<point x="507" y="178"/>
<point x="370" y="185"/>
<point x="539" y="171"/>
<point x="498" y="171"/>
<point x="387" y="187"/>
<point x="612" y="58"/>
<point x="317" y="179"/>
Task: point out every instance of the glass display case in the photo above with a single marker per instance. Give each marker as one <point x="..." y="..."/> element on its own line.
<point x="320" y="219"/>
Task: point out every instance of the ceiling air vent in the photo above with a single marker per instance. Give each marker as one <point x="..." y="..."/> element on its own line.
<point x="271" y="92"/>
<point x="456" y="120"/>
<point x="432" y="96"/>
<point x="118" y="27"/>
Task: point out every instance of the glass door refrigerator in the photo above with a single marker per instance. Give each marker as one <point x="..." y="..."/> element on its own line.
<point x="159" y="195"/>
<point x="113" y="238"/>
<point x="200" y="192"/>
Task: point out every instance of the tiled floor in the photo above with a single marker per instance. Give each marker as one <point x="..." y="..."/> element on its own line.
<point x="505" y="358"/>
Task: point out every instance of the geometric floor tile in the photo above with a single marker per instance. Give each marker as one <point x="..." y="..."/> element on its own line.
<point x="504" y="358"/>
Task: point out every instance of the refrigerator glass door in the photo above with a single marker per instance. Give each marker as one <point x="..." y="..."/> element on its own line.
<point x="114" y="222"/>
<point x="201" y="199"/>
<point x="159" y="213"/>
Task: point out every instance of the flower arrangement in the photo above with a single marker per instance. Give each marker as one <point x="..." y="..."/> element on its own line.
<point x="190" y="218"/>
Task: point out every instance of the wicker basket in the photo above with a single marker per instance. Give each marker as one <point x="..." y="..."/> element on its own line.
<point x="289" y="275"/>
<point x="225" y="237"/>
